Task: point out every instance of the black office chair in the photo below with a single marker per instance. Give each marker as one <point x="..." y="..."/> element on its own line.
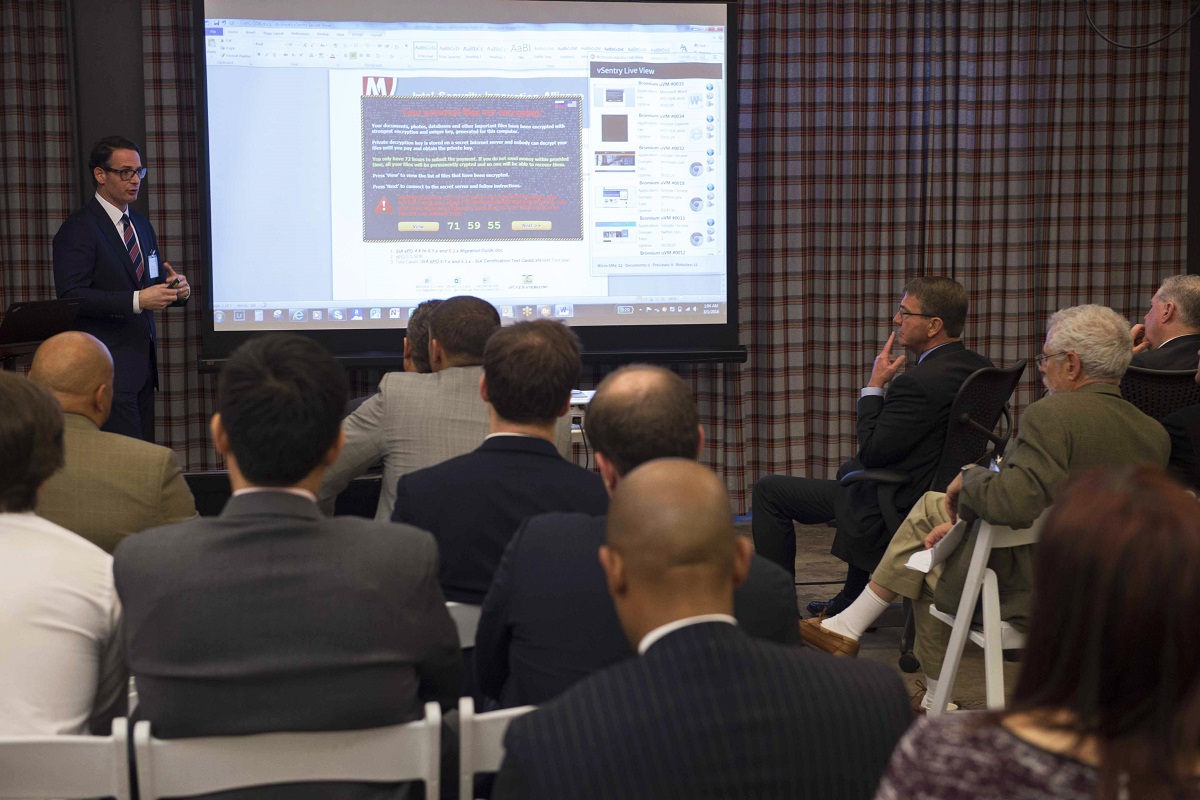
<point x="978" y="406"/>
<point x="1159" y="392"/>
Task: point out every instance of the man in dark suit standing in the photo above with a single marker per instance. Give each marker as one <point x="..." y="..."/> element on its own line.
<point x="473" y="503"/>
<point x="705" y="711"/>
<point x="903" y="429"/>
<point x="271" y="617"/>
<point x="106" y="255"/>
<point x="1169" y="334"/>
<point x="548" y="620"/>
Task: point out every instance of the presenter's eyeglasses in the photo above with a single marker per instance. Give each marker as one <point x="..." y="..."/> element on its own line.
<point x="127" y="173"/>
<point x="905" y="313"/>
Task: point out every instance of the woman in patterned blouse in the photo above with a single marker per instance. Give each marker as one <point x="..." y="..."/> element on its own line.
<point x="1108" y="701"/>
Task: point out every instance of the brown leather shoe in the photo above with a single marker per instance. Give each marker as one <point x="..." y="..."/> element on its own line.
<point x="822" y="638"/>
<point x="917" y="701"/>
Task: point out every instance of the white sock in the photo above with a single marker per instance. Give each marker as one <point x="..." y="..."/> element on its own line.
<point x="930" y="690"/>
<point x="855" y="620"/>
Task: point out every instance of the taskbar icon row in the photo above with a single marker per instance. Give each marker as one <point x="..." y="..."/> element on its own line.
<point x="275" y="315"/>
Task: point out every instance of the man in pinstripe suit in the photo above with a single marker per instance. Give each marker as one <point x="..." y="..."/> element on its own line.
<point x="705" y="711"/>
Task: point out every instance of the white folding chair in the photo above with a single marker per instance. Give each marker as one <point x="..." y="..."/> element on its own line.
<point x="995" y="635"/>
<point x="466" y="620"/>
<point x="183" y="767"/>
<point x="66" y="766"/>
<point x="481" y="742"/>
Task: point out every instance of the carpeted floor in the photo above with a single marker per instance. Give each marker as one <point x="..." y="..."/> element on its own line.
<point x="818" y="576"/>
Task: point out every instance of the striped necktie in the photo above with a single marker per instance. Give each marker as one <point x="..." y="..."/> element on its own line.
<point x="131" y="244"/>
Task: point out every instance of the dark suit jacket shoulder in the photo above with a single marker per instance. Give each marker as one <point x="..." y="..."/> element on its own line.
<point x="472" y="504"/>
<point x="1183" y="427"/>
<point x="548" y="620"/>
<point x="271" y="617"/>
<point x="709" y="712"/>
<point x="1177" y="354"/>
<point x="904" y="430"/>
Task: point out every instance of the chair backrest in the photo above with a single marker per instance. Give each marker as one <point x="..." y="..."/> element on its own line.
<point x="973" y="416"/>
<point x="1157" y="392"/>
<point x="466" y="620"/>
<point x="66" y="766"/>
<point x="184" y="767"/>
<point x="481" y="741"/>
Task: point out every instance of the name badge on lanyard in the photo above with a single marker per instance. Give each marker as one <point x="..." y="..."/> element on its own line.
<point x="152" y="264"/>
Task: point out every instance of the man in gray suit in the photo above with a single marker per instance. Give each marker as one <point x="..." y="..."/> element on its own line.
<point x="111" y="485"/>
<point x="1082" y="424"/>
<point x="416" y="420"/>
<point x="271" y="617"/>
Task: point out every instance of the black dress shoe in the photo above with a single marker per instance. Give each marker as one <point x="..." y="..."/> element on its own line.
<point x="827" y="608"/>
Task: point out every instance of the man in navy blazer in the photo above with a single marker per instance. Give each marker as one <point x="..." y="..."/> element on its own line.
<point x="704" y="711"/>
<point x="1167" y="337"/>
<point x="106" y="255"/>
<point x="548" y="620"/>
<point x="903" y="429"/>
<point x="473" y="503"/>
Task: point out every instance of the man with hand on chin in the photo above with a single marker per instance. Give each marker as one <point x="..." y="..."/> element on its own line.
<point x="106" y="255"/>
<point x="1081" y="424"/>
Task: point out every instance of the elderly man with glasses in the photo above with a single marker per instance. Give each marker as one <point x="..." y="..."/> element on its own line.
<point x="1082" y="424"/>
<point x="903" y="429"/>
<point x="106" y="255"/>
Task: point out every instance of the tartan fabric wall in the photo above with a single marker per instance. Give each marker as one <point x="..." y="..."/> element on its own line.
<point x="186" y="398"/>
<point x="38" y="145"/>
<point x="1003" y="144"/>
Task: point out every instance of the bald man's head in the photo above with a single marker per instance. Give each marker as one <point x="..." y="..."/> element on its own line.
<point x="642" y="412"/>
<point x="671" y="549"/>
<point x="78" y="369"/>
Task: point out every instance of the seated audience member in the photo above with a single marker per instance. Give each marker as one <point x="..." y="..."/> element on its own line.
<point x="414" y="420"/>
<point x="903" y="430"/>
<point x="416" y="347"/>
<point x="1183" y="426"/>
<point x="111" y="485"/>
<point x="61" y="669"/>
<point x="548" y="620"/>
<point x="473" y="503"/>
<point x="704" y="711"/>
<point x="1108" y="700"/>
<point x="1082" y="424"/>
<point x="1169" y="335"/>
<point x="271" y="617"/>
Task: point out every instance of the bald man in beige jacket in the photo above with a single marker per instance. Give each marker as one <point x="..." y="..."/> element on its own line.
<point x="111" y="485"/>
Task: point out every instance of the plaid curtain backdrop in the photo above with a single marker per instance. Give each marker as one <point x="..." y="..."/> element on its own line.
<point x="38" y="145"/>
<point x="186" y="398"/>
<point x="1005" y="145"/>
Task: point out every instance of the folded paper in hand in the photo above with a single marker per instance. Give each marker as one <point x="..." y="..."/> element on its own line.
<point x="926" y="560"/>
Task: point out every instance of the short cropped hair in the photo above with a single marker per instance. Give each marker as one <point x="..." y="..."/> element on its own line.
<point x="31" y="441"/>
<point x="944" y="298"/>
<point x="101" y="155"/>
<point x="1184" y="292"/>
<point x="1097" y="334"/>
<point x="655" y="418"/>
<point x="462" y="325"/>
<point x="281" y="398"/>
<point x="531" y="368"/>
<point x="418" y="334"/>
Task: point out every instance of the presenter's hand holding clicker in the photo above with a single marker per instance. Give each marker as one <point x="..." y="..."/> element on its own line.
<point x="178" y="282"/>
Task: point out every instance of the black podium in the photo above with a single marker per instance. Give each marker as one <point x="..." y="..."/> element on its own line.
<point x="27" y="325"/>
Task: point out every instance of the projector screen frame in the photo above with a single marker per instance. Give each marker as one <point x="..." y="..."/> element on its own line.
<point x="607" y="344"/>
